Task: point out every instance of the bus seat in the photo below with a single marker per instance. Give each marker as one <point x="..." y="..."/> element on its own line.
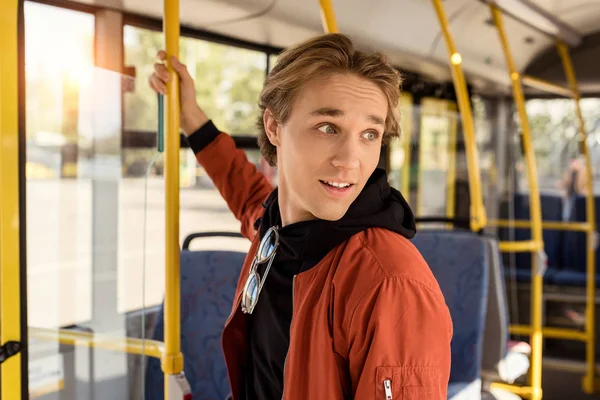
<point x="573" y="278"/>
<point x="208" y="282"/>
<point x="524" y="275"/>
<point x="499" y="362"/>
<point x="575" y="256"/>
<point x="460" y="262"/>
<point x="552" y="210"/>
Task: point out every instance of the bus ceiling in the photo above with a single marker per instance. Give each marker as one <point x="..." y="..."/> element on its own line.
<point x="407" y="31"/>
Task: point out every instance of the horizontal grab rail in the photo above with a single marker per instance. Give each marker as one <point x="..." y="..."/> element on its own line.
<point x="554" y="225"/>
<point x="149" y="347"/>
<point x="547" y="86"/>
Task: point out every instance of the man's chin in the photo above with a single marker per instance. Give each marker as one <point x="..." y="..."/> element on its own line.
<point x="331" y="214"/>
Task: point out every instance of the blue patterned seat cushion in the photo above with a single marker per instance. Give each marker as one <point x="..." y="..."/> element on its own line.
<point x="208" y="282"/>
<point x="575" y="247"/>
<point x="574" y="278"/>
<point x="554" y="240"/>
<point x="460" y="263"/>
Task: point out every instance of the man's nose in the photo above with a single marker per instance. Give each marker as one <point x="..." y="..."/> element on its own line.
<point x="347" y="155"/>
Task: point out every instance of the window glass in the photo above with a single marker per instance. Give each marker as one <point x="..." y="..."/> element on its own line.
<point x="555" y="135"/>
<point x="228" y="81"/>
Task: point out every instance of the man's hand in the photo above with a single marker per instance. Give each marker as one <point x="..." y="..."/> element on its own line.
<point x="192" y="116"/>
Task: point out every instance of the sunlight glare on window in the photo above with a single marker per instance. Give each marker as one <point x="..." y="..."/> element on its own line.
<point x="52" y="47"/>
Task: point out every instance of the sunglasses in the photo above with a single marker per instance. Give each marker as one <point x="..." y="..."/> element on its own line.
<point x="254" y="284"/>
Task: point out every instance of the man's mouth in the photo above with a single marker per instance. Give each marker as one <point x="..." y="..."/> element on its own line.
<point x="337" y="190"/>
<point x="337" y="185"/>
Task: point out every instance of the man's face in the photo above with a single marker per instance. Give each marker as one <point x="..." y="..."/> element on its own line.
<point x="329" y="146"/>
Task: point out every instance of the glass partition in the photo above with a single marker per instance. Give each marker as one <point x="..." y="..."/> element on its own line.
<point x="95" y="225"/>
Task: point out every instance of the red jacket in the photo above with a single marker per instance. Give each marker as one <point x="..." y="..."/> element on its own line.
<point x="369" y="313"/>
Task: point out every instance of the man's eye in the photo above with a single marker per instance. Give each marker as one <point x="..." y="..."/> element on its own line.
<point x="370" y="135"/>
<point x="328" y="129"/>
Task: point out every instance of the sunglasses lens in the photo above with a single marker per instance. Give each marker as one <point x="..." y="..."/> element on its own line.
<point x="267" y="245"/>
<point x="266" y="249"/>
<point x="250" y="292"/>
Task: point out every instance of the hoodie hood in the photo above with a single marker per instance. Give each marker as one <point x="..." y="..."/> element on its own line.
<point x="377" y="206"/>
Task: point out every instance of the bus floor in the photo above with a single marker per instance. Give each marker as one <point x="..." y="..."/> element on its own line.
<point x="563" y="385"/>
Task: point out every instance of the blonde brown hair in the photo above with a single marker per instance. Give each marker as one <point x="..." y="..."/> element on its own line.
<point x="324" y="54"/>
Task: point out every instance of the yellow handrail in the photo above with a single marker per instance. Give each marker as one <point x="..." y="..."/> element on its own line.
<point x="328" y="17"/>
<point x="10" y="262"/>
<point x="172" y="361"/>
<point x="150" y="348"/>
<point x="524" y="391"/>
<point x="478" y="214"/>
<point x="451" y="176"/>
<point x="547" y="86"/>
<point x="407" y="142"/>
<point x="555" y="333"/>
<point x="591" y="383"/>
<point x="550" y="225"/>
<point x="524" y="246"/>
<point x="535" y="377"/>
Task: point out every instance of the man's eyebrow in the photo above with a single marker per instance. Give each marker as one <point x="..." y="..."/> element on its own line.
<point x="376" y="120"/>
<point x="334" y="112"/>
<point x="327" y="112"/>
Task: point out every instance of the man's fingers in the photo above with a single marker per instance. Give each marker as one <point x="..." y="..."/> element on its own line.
<point x="181" y="69"/>
<point x="161" y="55"/>
<point x="157" y="85"/>
<point x="161" y="71"/>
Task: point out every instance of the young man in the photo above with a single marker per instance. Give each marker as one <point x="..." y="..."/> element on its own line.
<point x="349" y="309"/>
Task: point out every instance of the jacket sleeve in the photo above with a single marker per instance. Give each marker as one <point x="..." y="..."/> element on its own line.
<point x="243" y="187"/>
<point x="399" y="339"/>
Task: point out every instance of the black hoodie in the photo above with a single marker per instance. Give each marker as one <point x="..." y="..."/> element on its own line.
<point x="302" y="245"/>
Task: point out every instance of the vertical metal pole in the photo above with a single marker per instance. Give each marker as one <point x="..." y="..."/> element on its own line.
<point x="590" y="382"/>
<point x="328" y="17"/>
<point x="478" y="214"/>
<point x="172" y="362"/>
<point x="10" y="262"/>
<point x="451" y="176"/>
<point x="536" y="213"/>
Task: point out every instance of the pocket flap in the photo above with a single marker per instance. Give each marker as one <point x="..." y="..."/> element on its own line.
<point x="408" y="383"/>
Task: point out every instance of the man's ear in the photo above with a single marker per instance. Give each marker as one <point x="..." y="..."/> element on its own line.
<point x="272" y="127"/>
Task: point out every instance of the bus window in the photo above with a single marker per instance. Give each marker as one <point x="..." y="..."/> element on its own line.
<point x="95" y="223"/>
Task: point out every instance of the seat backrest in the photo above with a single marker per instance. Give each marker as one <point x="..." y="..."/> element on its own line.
<point x="460" y="262"/>
<point x="496" y="334"/>
<point x="576" y="242"/>
<point x="208" y="282"/>
<point x="552" y="210"/>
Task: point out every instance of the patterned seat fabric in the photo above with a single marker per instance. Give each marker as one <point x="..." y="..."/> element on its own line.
<point x="552" y="210"/>
<point x="208" y="282"/>
<point x="460" y="263"/>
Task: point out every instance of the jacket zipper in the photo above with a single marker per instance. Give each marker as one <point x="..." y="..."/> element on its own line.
<point x="288" y="352"/>
<point x="387" y="386"/>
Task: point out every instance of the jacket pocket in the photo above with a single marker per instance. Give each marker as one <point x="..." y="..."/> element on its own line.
<point x="408" y="383"/>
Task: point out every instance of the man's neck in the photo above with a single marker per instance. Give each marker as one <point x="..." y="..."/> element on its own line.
<point x="290" y="212"/>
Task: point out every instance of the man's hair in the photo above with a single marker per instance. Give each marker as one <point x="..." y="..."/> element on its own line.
<point x="319" y="56"/>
